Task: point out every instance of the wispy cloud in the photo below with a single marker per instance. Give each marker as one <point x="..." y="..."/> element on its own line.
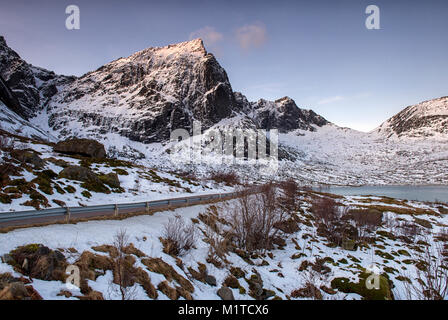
<point x="208" y="34"/>
<point x="251" y="36"/>
<point x="330" y="100"/>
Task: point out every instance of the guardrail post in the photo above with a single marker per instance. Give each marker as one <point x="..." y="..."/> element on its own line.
<point x="116" y="210"/>
<point x="68" y="215"/>
<point x="147" y="207"/>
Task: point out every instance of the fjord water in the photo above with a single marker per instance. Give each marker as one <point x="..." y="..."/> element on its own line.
<point x="409" y="192"/>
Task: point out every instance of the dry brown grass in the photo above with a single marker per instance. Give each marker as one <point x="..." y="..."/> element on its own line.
<point x="157" y="265"/>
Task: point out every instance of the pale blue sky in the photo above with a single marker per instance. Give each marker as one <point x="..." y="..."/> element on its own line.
<point x="317" y="52"/>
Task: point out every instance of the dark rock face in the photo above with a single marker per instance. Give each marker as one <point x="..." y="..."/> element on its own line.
<point x="142" y="97"/>
<point x="147" y="95"/>
<point x="10" y="100"/>
<point x="83" y="147"/>
<point x="284" y="115"/>
<point x="29" y="87"/>
<point x="426" y="119"/>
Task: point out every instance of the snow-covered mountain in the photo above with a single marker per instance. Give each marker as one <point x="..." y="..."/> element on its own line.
<point x="143" y="97"/>
<point x="132" y="104"/>
<point x="428" y="119"/>
<point x="32" y="87"/>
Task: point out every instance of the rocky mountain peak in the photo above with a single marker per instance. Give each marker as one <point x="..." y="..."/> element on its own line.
<point x="28" y="86"/>
<point x="423" y="120"/>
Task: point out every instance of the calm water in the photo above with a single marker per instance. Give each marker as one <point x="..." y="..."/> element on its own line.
<point x="421" y="193"/>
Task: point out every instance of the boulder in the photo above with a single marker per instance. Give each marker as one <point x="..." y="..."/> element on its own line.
<point x="225" y="294"/>
<point x="78" y="173"/>
<point x="29" y="157"/>
<point x="15" y="291"/>
<point x="111" y="179"/>
<point x="82" y="147"/>
<point x="38" y="261"/>
<point x="211" y="280"/>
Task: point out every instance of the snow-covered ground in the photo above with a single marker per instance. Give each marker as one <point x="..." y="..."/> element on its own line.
<point x="279" y="269"/>
<point x="139" y="183"/>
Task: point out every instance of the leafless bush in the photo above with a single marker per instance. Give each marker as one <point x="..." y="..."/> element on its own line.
<point x="123" y="271"/>
<point x="309" y="289"/>
<point x="289" y="189"/>
<point x="326" y="211"/>
<point x="219" y="245"/>
<point x="254" y="218"/>
<point x="228" y="178"/>
<point x="366" y="221"/>
<point x="328" y="215"/>
<point x="410" y="230"/>
<point x="179" y="237"/>
<point x="431" y="281"/>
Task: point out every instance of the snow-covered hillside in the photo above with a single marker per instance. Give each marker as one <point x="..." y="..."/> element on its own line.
<point x="426" y="120"/>
<point x="302" y="264"/>
<point x="132" y="104"/>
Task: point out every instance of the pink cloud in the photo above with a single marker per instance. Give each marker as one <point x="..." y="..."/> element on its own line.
<point x="251" y="36"/>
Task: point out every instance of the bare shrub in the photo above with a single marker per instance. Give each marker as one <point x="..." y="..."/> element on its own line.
<point x="431" y="281"/>
<point x="254" y="218"/>
<point x="328" y="214"/>
<point x="178" y="236"/>
<point x="219" y="246"/>
<point x="289" y="190"/>
<point x="410" y="230"/>
<point x="326" y="211"/>
<point x="228" y="178"/>
<point x="366" y="221"/>
<point x="124" y="276"/>
<point x="309" y="289"/>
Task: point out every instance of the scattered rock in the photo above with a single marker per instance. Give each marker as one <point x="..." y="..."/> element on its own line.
<point x="40" y="262"/>
<point x="225" y="294"/>
<point x="111" y="179"/>
<point x="18" y="291"/>
<point x="28" y="156"/>
<point x="82" y="147"/>
<point x="78" y="173"/>
<point x="211" y="280"/>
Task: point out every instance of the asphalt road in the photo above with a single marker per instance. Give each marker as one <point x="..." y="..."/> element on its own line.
<point x="58" y="215"/>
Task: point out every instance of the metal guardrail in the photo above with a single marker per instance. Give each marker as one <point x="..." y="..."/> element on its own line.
<point x="72" y="212"/>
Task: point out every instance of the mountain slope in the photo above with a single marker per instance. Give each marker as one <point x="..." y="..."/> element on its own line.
<point x="428" y="119"/>
<point x="30" y="86"/>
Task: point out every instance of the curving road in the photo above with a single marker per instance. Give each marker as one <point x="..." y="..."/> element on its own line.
<point x="70" y="214"/>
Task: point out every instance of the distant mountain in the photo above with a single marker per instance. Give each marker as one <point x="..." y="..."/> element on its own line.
<point x="143" y="97"/>
<point x="428" y="119"/>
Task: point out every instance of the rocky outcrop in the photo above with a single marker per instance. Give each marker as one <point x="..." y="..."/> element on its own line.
<point x="40" y="262"/>
<point x="23" y="87"/>
<point x="424" y="120"/>
<point x="143" y="97"/>
<point x="78" y="173"/>
<point x="82" y="147"/>
<point x="284" y="115"/>
<point x="28" y="156"/>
